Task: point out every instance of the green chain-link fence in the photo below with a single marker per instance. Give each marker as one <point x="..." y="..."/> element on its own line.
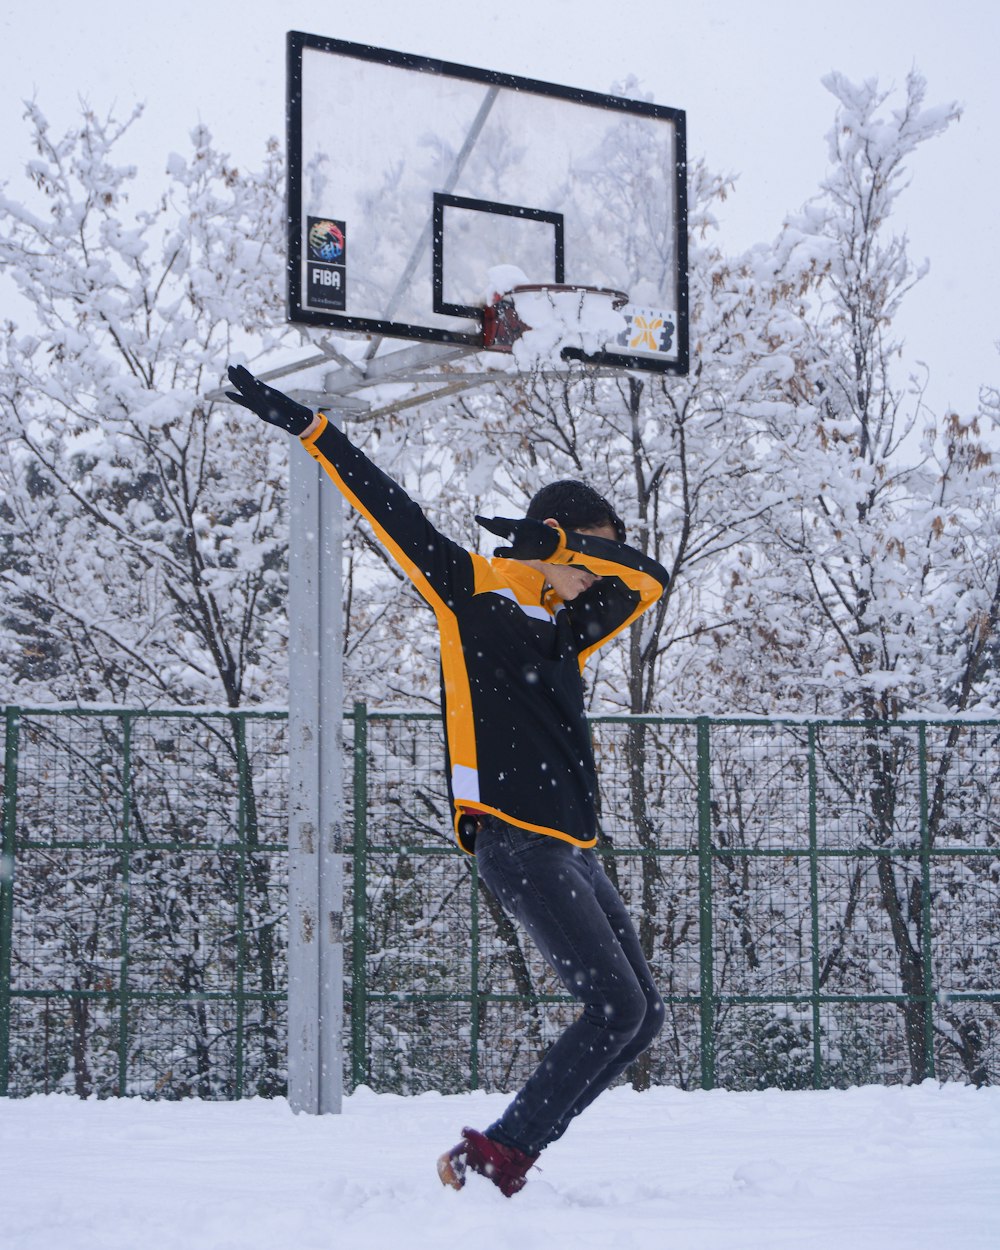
<point x="818" y="899"/>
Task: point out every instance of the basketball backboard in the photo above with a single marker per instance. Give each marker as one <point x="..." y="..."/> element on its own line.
<point x="412" y="180"/>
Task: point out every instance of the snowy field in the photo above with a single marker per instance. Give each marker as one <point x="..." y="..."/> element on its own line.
<point x="879" y="1168"/>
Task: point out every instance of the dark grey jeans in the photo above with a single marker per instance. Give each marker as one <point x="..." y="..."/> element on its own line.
<point x="575" y="916"/>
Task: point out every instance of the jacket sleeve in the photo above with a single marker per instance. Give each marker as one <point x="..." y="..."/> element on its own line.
<point x="441" y="570"/>
<point x="630" y="583"/>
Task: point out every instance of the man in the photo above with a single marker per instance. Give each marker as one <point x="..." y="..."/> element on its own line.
<point x="515" y="632"/>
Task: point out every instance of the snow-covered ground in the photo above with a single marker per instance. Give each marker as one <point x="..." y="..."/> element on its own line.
<point x="887" y="1168"/>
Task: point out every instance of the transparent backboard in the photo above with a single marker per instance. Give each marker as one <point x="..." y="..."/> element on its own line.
<point x="412" y="180"/>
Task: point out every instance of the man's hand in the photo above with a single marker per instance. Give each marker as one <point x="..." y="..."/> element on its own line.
<point x="270" y="405"/>
<point x="530" y="539"/>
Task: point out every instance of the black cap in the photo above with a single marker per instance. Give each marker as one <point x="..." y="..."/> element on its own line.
<point x="575" y="506"/>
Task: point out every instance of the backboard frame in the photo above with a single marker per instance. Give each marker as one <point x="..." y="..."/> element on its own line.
<point x="388" y="327"/>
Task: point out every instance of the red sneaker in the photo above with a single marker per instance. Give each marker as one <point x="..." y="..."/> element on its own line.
<point x="505" y="1166"/>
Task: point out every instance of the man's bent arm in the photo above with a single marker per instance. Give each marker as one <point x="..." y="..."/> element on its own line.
<point x="630" y="584"/>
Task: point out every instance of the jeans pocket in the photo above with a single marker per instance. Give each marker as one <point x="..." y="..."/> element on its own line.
<point x="522" y="841"/>
<point x="525" y="846"/>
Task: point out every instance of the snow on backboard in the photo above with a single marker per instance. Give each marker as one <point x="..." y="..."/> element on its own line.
<point x="410" y="179"/>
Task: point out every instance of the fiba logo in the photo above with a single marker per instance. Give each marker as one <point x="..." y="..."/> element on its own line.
<point x="326" y="263"/>
<point x="326" y="240"/>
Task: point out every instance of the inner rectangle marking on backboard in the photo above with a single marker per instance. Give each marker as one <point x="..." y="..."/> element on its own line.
<point x="473" y="236"/>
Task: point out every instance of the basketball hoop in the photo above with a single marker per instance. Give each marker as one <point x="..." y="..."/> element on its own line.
<point x="536" y="320"/>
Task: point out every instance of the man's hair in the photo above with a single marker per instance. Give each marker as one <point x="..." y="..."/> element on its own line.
<point x="575" y="505"/>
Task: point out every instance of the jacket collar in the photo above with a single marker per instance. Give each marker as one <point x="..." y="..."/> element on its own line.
<point x="527" y="583"/>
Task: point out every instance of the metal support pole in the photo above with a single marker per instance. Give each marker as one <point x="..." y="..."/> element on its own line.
<point x="315" y="817"/>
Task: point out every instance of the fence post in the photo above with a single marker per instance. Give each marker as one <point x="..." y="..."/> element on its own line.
<point x="243" y="780"/>
<point x="359" y="931"/>
<point x="126" y="900"/>
<point x="474" y="983"/>
<point x="12" y="725"/>
<point x="707" y="990"/>
<point x="926" y="952"/>
<point x="814" y="910"/>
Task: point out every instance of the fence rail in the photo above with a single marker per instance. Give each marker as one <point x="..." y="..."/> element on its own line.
<point x="818" y="900"/>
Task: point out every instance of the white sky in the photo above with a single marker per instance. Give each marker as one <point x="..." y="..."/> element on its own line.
<point x="748" y="76"/>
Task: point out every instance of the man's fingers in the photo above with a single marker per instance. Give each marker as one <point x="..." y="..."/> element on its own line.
<point x="243" y="378"/>
<point x="251" y="390"/>
<point x="498" y="525"/>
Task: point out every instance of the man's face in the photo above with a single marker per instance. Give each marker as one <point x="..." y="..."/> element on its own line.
<point x="570" y="580"/>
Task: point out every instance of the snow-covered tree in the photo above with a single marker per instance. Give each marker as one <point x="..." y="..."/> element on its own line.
<point x="141" y="531"/>
<point x="874" y="591"/>
<point x="859" y="542"/>
<point x="828" y="555"/>
<point x="142" y="527"/>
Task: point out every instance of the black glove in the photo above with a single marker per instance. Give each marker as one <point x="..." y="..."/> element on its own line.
<point x="530" y="539"/>
<point x="270" y="405"/>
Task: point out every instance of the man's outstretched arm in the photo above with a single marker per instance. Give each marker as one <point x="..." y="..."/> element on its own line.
<point x="440" y="569"/>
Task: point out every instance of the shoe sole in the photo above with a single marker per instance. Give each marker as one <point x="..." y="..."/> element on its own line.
<point x="448" y="1173"/>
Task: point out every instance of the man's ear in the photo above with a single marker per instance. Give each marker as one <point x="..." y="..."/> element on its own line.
<point x="550" y="520"/>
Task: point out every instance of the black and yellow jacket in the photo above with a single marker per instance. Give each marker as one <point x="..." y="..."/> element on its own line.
<point x="512" y="653"/>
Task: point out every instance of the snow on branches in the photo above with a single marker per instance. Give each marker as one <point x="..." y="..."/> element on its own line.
<point x="141" y="538"/>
